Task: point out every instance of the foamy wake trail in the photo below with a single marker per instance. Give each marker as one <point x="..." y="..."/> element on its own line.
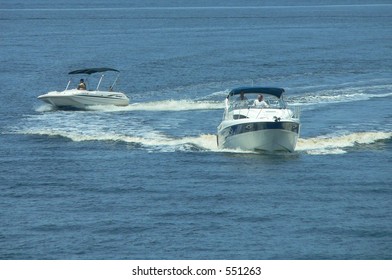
<point x="336" y="144"/>
<point x="157" y="141"/>
<point x="164" y="105"/>
<point x="151" y="141"/>
<point x="349" y="94"/>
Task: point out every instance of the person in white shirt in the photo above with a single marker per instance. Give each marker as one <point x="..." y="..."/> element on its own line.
<point x="260" y="103"/>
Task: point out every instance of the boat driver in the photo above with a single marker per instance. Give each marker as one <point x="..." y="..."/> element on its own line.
<point x="242" y="101"/>
<point x="260" y="103"/>
<point x="82" y="85"/>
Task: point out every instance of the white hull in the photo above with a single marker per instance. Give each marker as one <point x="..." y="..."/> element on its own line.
<point x="81" y="99"/>
<point x="270" y="140"/>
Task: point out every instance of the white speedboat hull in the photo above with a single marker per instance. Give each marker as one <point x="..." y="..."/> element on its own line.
<point x="261" y="136"/>
<point x="81" y="99"/>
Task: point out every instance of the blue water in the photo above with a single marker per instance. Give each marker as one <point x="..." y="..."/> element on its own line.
<point x="147" y="181"/>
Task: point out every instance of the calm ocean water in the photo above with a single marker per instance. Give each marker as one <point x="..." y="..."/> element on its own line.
<point x="147" y="181"/>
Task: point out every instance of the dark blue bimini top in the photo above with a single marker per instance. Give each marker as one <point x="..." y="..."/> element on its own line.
<point x="262" y="90"/>
<point x="92" y="71"/>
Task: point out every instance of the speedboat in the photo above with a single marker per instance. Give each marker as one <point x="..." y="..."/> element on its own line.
<point x="82" y="97"/>
<point x="261" y="125"/>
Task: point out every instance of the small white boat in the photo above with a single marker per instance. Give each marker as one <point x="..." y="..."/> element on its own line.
<point x="262" y="125"/>
<point x="82" y="97"/>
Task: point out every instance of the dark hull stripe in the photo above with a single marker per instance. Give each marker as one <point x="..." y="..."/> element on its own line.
<point x="102" y="97"/>
<point x="256" y="126"/>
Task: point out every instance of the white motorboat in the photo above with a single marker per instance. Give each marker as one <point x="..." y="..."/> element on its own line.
<point x="82" y="97"/>
<point x="258" y="126"/>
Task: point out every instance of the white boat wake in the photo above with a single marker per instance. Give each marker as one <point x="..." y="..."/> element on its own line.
<point x="159" y="142"/>
<point x="140" y="127"/>
<point x="338" y="144"/>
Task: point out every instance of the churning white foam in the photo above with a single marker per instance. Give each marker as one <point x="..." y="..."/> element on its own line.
<point x="164" y="105"/>
<point x="336" y="144"/>
<point x="155" y="141"/>
<point x="152" y="141"/>
<point x="331" y="96"/>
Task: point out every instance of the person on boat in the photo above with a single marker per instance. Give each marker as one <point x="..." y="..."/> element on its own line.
<point x="242" y="101"/>
<point x="242" y="97"/>
<point x="260" y="103"/>
<point x="82" y="85"/>
<point x="227" y="103"/>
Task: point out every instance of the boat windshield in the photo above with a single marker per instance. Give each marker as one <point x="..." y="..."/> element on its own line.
<point x="252" y="100"/>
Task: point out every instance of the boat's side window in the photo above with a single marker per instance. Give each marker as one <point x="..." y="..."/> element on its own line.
<point x="237" y="116"/>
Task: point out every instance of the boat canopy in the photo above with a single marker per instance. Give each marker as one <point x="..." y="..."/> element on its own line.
<point x="278" y="92"/>
<point x="92" y="71"/>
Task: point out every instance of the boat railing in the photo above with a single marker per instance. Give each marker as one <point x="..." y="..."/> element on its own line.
<point x="68" y="85"/>
<point x="99" y="82"/>
<point x="114" y="83"/>
<point x="296" y="111"/>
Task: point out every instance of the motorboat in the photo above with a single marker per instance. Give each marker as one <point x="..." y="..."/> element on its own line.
<point x="83" y="96"/>
<point x="265" y="124"/>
